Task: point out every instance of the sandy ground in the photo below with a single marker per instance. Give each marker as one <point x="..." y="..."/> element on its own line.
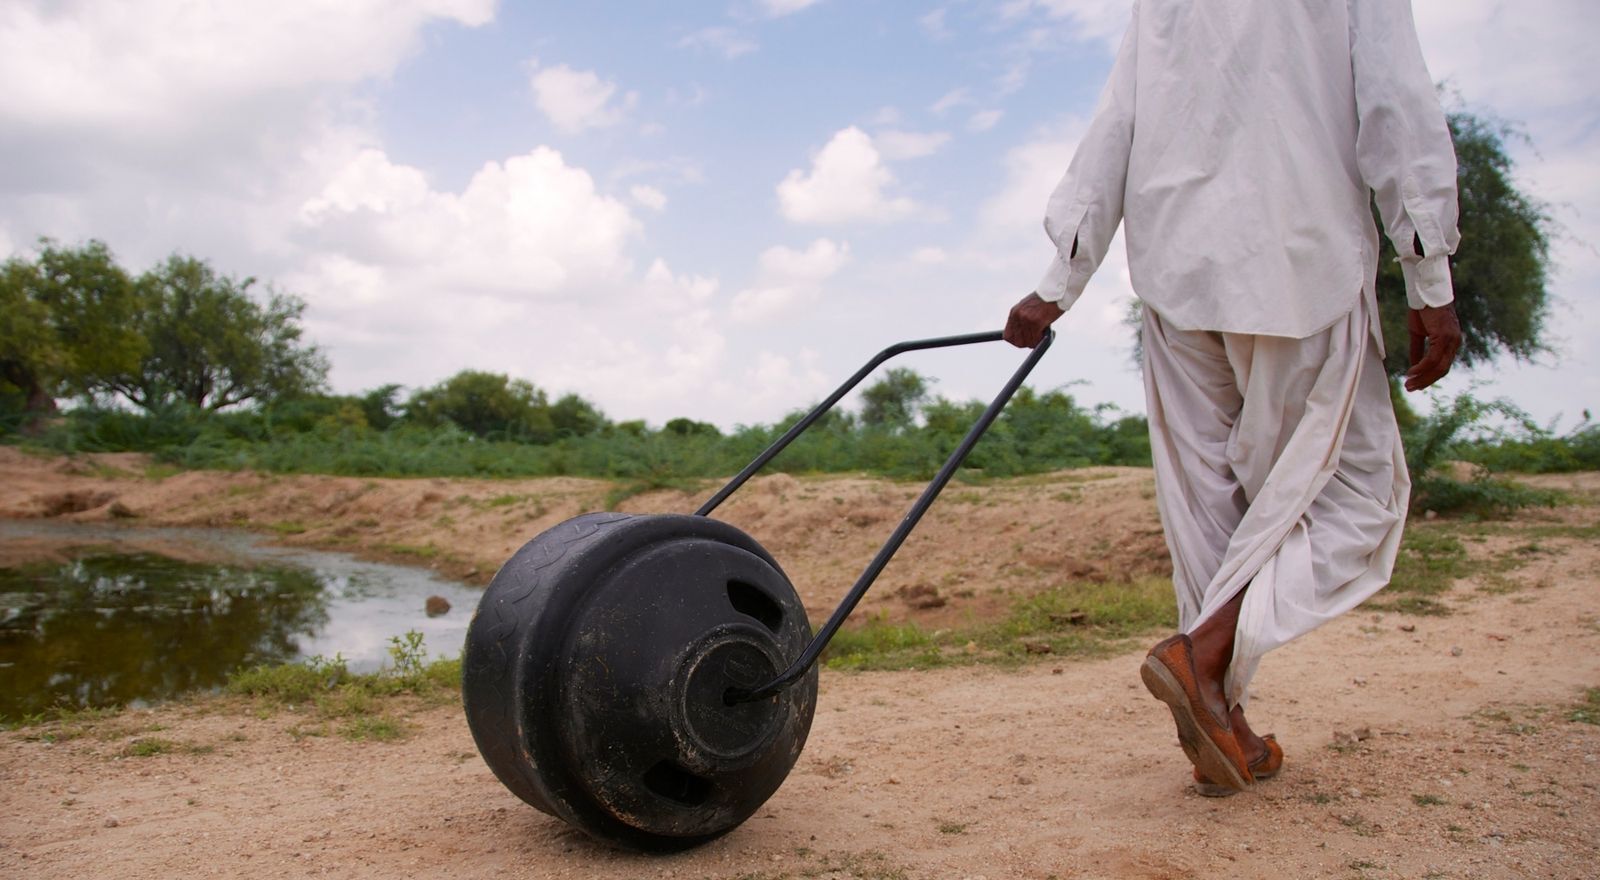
<point x="1417" y="746"/>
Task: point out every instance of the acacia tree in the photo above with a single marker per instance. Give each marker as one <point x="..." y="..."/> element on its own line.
<point x="486" y="404"/>
<point x="210" y="344"/>
<point x="67" y="322"/>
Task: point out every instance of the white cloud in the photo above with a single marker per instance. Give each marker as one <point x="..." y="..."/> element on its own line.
<point x="1102" y="20"/>
<point x="930" y="256"/>
<point x="529" y="225"/>
<point x="758" y="304"/>
<point x="170" y="66"/>
<point x="575" y="100"/>
<point x="780" y="8"/>
<point x="933" y="24"/>
<point x="984" y="120"/>
<point x="775" y="379"/>
<point x="896" y="145"/>
<point x="648" y="197"/>
<point x="1016" y="211"/>
<point x="725" y="41"/>
<point x="950" y="100"/>
<point x="818" y="262"/>
<point x="787" y="279"/>
<point x="846" y="182"/>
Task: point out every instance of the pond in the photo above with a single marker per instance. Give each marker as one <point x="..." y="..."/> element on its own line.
<point x="116" y="616"/>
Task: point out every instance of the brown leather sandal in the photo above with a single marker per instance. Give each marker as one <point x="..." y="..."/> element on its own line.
<point x="1169" y="673"/>
<point x="1264" y="767"/>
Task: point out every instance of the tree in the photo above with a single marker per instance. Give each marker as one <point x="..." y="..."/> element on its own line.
<point x="1501" y="267"/>
<point x="690" y="428"/>
<point x="67" y="322"/>
<point x="211" y="345"/>
<point x="381" y="407"/>
<point x="572" y="416"/>
<point x="892" y="402"/>
<point x="486" y="404"/>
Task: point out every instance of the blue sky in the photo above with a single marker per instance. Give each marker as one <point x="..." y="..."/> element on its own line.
<point x="714" y="210"/>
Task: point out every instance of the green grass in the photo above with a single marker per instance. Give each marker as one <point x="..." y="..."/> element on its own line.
<point x="1430" y="561"/>
<point x="1074" y="619"/>
<point x="148" y="747"/>
<point x="1587" y="712"/>
<point x="420" y="551"/>
<point x="1428" y="800"/>
<point x="360" y="700"/>
<point x="377" y="728"/>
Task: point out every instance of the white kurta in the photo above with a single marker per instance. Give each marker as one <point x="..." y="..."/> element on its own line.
<point x="1278" y="467"/>
<point x="1237" y="140"/>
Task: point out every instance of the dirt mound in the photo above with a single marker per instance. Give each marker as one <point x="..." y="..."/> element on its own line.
<point x="977" y="547"/>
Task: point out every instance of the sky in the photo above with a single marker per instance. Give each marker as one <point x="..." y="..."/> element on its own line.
<point x="709" y="210"/>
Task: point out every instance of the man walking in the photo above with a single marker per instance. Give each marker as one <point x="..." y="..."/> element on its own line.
<point x="1238" y="142"/>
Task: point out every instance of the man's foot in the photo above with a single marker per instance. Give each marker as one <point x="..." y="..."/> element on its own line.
<point x="1254" y="747"/>
<point x="1206" y="735"/>
<point x="1264" y="766"/>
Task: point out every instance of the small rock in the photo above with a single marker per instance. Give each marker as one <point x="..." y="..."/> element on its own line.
<point x="971" y="648"/>
<point x="1408" y="627"/>
<point x="1359" y="682"/>
<point x="1455" y="650"/>
<point x="118" y="510"/>
<point x="1037" y="647"/>
<point x="437" y="606"/>
<point x="112" y="822"/>
<point x="1024" y="780"/>
<point x="1058" y="671"/>
<point x="1353" y="792"/>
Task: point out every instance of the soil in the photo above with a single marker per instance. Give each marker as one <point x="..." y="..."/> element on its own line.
<point x="1416" y="746"/>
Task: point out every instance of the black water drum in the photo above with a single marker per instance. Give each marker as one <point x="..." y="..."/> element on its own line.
<point x="597" y="666"/>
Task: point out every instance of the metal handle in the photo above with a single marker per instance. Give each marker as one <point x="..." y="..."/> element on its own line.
<point x="820" y="640"/>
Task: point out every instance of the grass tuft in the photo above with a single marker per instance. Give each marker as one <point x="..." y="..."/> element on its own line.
<point x="1074" y="619"/>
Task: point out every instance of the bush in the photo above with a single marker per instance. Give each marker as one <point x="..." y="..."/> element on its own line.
<point x="1451" y="433"/>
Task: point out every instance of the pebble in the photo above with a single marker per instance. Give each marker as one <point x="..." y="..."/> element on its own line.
<point x="1455" y="650"/>
<point x="112" y="822"/>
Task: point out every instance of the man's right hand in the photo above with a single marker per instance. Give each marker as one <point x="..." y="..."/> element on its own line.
<point x="1435" y="339"/>
<point x="1029" y="319"/>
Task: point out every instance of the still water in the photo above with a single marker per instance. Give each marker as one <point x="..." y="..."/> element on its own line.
<point x="112" y="627"/>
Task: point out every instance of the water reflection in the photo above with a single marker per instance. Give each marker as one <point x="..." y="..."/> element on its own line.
<point x="107" y="630"/>
<point x="110" y="627"/>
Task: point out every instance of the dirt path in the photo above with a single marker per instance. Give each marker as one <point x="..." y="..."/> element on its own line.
<point x="1417" y="747"/>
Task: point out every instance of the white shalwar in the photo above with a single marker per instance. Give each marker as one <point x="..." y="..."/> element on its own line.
<point x="1239" y="143"/>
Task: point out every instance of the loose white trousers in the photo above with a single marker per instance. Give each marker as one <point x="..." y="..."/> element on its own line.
<point x="1279" y="468"/>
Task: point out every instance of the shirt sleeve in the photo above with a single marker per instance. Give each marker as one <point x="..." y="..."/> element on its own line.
<point x="1086" y="206"/>
<point x="1403" y="146"/>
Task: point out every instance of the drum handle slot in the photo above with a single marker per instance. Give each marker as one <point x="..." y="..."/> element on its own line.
<point x="809" y="656"/>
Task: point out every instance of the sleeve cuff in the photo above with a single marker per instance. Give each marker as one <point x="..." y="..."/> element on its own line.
<point x="1427" y="281"/>
<point x="1060" y="285"/>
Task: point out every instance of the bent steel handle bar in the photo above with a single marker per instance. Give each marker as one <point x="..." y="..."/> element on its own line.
<point x="820" y="641"/>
